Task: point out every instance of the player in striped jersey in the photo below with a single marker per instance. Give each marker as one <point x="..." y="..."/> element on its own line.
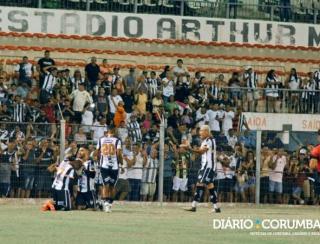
<point x="65" y="172"/>
<point x="86" y="196"/>
<point x="110" y="150"/>
<point x="208" y="167"/>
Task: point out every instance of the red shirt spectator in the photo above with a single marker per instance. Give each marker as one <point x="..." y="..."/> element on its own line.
<point x="315" y="153"/>
<point x="50" y="112"/>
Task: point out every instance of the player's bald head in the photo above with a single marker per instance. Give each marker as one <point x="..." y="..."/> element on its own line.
<point x="205" y="127"/>
<point x="204" y="131"/>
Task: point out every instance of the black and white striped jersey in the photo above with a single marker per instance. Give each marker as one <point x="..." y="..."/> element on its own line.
<point x="109" y="147"/>
<point x="65" y="173"/>
<point x="208" y="158"/>
<point x="86" y="180"/>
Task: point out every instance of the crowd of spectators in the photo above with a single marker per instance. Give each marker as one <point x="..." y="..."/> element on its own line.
<point x="35" y="98"/>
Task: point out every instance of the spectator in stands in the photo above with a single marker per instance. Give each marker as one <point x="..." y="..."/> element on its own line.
<point x="92" y="71"/>
<point x="157" y="102"/>
<point x="44" y="156"/>
<point x="80" y="98"/>
<point x="174" y="119"/>
<point x="130" y="79"/>
<point x="134" y="129"/>
<point x="277" y="165"/>
<point x="104" y="68"/>
<point x="266" y="157"/>
<point x="116" y="78"/>
<point x="15" y="186"/>
<point x="80" y="137"/>
<point x="232" y="138"/>
<point x="76" y="80"/>
<point x="163" y="74"/>
<point x="149" y="174"/>
<point x="135" y="172"/>
<point x="212" y="119"/>
<point x="129" y="158"/>
<point x="120" y="115"/>
<point x="293" y="83"/>
<point x="303" y="174"/>
<point x="201" y="116"/>
<point x="98" y="128"/>
<point x="247" y="139"/>
<point x="4" y="133"/>
<point x="167" y="172"/>
<point x="228" y="116"/>
<point x="272" y="91"/>
<point x="3" y="91"/>
<point x="49" y="82"/>
<point x="7" y="162"/>
<point x="20" y="110"/>
<point x="24" y="72"/>
<point x="50" y="112"/>
<point x="182" y="91"/>
<point x="250" y="79"/>
<point x="154" y="84"/>
<point x="141" y="100"/>
<point x="142" y="84"/>
<point x="168" y="86"/>
<point x="180" y="179"/>
<point x="101" y="102"/>
<point x="234" y="85"/>
<point x="28" y="168"/>
<point x="128" y="100"/>
<point x="44" y="62"/>
<point x="113" y="101"/>
<point x="87" y="118"/>
<point x="67" y="110"/>
<point x="171" y="105"/>
<point x="288" y="178"/>
<point x="309" y="93"/>
<point x="180" y="72"/>
<point x="123" y="131"/>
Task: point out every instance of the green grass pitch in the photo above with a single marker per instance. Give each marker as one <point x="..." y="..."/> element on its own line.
<point x="22" y="222"/>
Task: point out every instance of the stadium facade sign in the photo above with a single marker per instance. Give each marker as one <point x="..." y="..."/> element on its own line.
<point x="275" y="122"/>
<point x="157" y="27"/>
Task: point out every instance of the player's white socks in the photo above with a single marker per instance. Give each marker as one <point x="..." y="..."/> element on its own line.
<point x="214" y="205"/>
<point x="194" y="204"/>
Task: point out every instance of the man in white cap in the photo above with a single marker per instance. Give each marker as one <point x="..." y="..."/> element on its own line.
<point x="207" y="172"/>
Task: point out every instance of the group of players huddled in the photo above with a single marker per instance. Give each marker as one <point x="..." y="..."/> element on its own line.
<point x="82" y="165"/>
<point x="109" y="155"/>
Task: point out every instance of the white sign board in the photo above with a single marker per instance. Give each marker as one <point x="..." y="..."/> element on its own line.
<point x="69" y="22"/>
<point x="275" y="122"/>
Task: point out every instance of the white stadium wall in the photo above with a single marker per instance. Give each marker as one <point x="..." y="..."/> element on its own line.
<point x="157" y="27"/>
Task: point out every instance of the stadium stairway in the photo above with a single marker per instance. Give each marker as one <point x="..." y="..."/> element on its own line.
<point x="210" y="58"/>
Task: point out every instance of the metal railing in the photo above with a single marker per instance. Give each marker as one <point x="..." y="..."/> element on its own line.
<point x="274" y="10"/>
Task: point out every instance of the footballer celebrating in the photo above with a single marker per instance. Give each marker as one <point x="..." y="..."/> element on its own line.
<point x="109" y="147"/>
<point x="65" y="172"/>
<point x="86" y="196"/>
<point x="207" y="172"/>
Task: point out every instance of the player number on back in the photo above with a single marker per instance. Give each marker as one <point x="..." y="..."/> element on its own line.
<point x="108" y="149"/>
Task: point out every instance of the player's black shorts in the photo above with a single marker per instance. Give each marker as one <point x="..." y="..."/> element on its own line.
<point x="62" y="200"/>
<point x="109" y="176"/>
<point x="206" y="176"/>
<point x="87" y="199"/>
